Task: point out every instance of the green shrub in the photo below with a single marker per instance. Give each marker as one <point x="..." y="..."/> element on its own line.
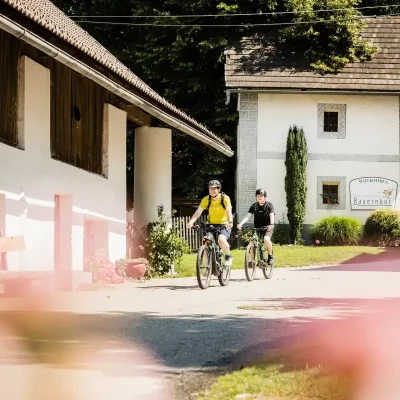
<point x="245" y="235"/>
<point x="158" y="243"/>
<point x="383" y="226"/>
<point x="164" y="245"/>
<point x="281" y="232"/>
<point x="337" y="231"/>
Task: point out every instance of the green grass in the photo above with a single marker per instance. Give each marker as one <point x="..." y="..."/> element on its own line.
<point x="295" y="256"/>
<point x="273" y="381"/>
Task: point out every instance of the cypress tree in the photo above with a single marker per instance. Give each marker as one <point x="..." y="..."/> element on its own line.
<point x="296" y="181"/>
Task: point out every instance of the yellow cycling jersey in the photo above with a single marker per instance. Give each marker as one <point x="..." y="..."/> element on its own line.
<point x="216" y="214"/>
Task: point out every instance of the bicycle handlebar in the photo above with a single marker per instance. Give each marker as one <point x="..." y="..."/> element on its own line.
<point x="206" y="227"/>
<point x="263" y="229"/>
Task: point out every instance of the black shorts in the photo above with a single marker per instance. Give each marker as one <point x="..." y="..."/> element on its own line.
<point x="269" y="232"/>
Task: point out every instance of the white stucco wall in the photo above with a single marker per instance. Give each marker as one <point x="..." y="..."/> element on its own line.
<point x="153" y="173"/>
<point x="372" y="133"/>
<point x="30" y="179"/>
<point x="271" y="175"/>
<point x="369" y="120"/>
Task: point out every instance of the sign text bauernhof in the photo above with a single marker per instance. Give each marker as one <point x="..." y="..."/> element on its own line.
<point x="371" y="193"/>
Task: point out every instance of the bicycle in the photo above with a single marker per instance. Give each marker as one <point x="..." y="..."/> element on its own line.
<point x="211" y="254"/>
<point x="254" y="257"/>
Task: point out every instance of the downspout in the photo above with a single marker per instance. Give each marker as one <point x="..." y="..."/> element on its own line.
<point x="78" y="66"/>
<point x="228" y="97"/>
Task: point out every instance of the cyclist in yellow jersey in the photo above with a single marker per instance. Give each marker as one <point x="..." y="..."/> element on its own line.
<point x="219" y="214"/>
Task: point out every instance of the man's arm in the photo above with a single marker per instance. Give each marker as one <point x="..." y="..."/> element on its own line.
<point x="272" y="215"/>
<point x="228" y="208"/>
<point x="244" y="220"/>
<point x="195" y="216"/>
<point x="272" y="219"/>
<point x="230" y="217"/>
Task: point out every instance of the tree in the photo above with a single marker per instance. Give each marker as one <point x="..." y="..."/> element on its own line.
<point x="296" y="181"/>
<point x="328" y="46"/>
<point x="186" y="64"/>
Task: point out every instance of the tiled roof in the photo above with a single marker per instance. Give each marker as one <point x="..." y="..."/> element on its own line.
<point x="46" y="14"/>
<point x="255" y="65"/>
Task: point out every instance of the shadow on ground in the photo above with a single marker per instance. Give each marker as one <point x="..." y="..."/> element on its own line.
<point x="386" y="261"/>
<point x="143" y="342"/>
<point x="179" y="342"/>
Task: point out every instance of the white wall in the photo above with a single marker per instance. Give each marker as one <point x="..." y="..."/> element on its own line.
<point x="372" y="128"/>
<point x="372" y="123"/>
<point x="153" y="173"/>
<point x="271" y="175"/>
<point x="30" y="179"/>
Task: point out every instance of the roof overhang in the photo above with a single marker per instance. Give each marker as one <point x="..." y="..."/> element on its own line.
<point x="82" y="68"/>
<point x="311" y="91"/>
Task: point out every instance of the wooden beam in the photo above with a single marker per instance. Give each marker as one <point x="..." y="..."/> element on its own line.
<point x="137" y="115"/>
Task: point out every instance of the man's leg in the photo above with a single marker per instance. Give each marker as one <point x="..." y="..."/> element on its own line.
<point x="268" y="245"/>
<point x="223" y="242"/>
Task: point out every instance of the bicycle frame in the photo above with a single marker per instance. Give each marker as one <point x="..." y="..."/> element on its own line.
<point x="215" y="249"/>
<point x="258" y="242"/>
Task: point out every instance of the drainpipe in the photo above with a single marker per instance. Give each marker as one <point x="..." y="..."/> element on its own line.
<point x="21" y="33"/>
<point x="228" y="97"/>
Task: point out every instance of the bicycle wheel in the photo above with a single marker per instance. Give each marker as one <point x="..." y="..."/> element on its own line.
<point x="203" y="267"/>
<point x="250" y="262"/>
<point x="225" y="275"/>
<point x="268" y="270"/>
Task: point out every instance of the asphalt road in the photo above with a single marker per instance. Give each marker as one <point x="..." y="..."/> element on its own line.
<point x="188" y="336"/>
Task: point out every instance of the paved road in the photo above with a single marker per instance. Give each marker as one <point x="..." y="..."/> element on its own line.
<point x="190" y="332"/>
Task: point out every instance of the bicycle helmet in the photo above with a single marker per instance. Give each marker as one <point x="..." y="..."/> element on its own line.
<point x="214" y="183"/>
<point x="262" y="192"/>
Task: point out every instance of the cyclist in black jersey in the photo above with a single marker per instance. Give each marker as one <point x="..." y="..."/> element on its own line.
<point x="264" y="216"/>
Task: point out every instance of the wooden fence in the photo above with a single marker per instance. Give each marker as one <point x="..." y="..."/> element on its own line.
<point x="194" y="237"/>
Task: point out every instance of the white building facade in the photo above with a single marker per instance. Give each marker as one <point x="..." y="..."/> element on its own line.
<point x="350" y="120"/>
<point x="362" y="142"/>
<point x="65" y="105"/>
<point x="36" y="190"/>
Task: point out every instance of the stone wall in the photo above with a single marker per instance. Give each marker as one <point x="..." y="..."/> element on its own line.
<point x="247" y="152"/>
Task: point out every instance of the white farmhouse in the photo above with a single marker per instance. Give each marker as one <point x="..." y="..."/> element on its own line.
<point x="64" y="106"/>
<point x="350" y="119"/>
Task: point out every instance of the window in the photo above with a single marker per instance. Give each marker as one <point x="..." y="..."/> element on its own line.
<point x="9" y="56"/>
<point x="331" y="121"/>
<point x="77" y="112"/>
<point x="330" y="193"/>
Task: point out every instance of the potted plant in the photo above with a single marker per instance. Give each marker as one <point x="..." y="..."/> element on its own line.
<point x="330" y="199"/>
<point x="132" y="268"/>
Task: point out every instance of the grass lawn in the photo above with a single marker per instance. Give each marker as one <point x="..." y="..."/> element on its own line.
<point x="295" y="256"/>
<point x="273" y="380"/>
